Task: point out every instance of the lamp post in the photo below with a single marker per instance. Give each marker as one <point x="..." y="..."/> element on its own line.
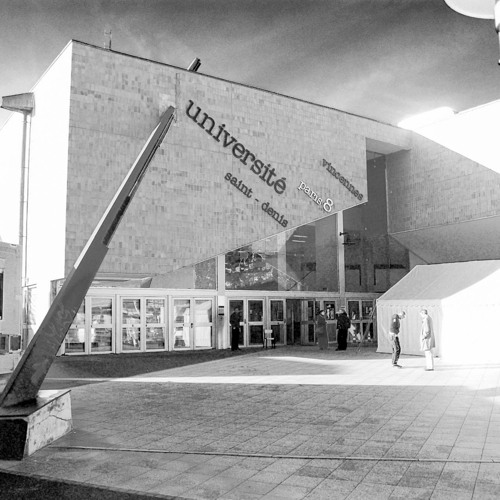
<point x="480" y="9"/>
<point x="24" y="104"/>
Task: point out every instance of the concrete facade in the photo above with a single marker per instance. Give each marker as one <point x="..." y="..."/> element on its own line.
<point x="239" y="165"/>
<point x="184" y="206"/>
<point x="443" y="206"/>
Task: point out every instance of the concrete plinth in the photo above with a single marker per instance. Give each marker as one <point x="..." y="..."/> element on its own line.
<point x="25" y="428"/>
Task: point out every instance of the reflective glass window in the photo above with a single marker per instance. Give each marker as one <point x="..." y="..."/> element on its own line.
<point x="182" y="326"/>
<point x="203" y="336"/>
<point x="182" y="310"/>
<point x="255" y="310"/>
<point x="155" y="337"/>
<point x="75" y="338"/>
<point x="155" y="324"/>
<point x="353" y="309"/>
<point x="256" y="334"/>
<point x="301" y="259"/>
<point x="277" y="310"/>
<point x="131" y="324"/>
<point x="155" y="311"/>
<point x="200" y="276"/>
<point x="374" y="262"/>
<point x="15" y="342"/>
<point x="330" y="313"/>
<point x="101" y="331"/>
<point x="367" y="309"/>
<point x="203" y="311"/>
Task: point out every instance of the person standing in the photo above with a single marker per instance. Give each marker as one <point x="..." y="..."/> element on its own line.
<point x="394" y="336"/>
<point x="321" y="333"/>
<point x="343" y="324"/>
<point x="234" y="320"/>
<point x="427" y="340"/>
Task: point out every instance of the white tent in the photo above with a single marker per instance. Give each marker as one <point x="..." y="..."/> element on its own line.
<point x="463" y="300"/>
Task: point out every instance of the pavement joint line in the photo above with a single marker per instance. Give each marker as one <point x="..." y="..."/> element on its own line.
<point x="278" y="456"/>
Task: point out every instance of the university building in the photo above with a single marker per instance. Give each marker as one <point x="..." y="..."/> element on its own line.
<point x="255" y="200"/>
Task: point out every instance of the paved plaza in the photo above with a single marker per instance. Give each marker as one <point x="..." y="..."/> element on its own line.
<point x="285" y="423"/>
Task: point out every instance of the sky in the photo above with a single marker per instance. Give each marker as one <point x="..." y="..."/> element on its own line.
<point x="383" y="59"/>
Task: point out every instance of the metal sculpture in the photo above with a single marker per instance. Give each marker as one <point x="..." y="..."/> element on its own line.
<point x="27" y="378"/>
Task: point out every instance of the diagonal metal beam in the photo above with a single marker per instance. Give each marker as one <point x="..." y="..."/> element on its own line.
<point x="28" y="376"/>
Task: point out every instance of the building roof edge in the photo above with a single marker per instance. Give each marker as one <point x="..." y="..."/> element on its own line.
<point x="238" y="83"/>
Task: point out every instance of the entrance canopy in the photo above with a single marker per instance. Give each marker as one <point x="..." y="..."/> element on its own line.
<point x="463" y="301"/>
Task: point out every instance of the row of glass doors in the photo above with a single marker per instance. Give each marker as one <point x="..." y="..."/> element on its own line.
<point x="253" y="320"/>
<point x="137" y="324"/>
<point x="192" y="327"/>
<point x="128" y="324"/>
<point x="293" y="321"/>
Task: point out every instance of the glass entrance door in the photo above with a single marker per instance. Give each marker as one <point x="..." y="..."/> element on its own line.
<point x="255" y="321"/>
<point x="293" y="320"/>
<point x="182" y="324"/>
<point x="131" y="324"/>
<point x="237" y="306"/>
<point x="252" y="320"/>
<point x="193" y="323"/>
<point x="156" y="326"/>
<point x="277" y="323"/>
<point x="308" y="335"/>
<point x="361" y="313"/>
<point x="143" y="325"/>
<point x="203" y="323"/>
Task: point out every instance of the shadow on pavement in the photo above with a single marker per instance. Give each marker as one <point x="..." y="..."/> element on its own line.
<point x="17" y="487"/>
<point x="128" y="365"/>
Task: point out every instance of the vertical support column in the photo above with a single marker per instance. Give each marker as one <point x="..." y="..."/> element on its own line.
<point x="23" y="222"/>
<point x="341" y="254"/>
<point x="222" y="333"/>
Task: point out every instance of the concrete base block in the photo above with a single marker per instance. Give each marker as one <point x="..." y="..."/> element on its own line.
<point x="28" y="427"/>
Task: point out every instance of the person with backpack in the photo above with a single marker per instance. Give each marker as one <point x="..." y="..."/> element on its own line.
<point x="343" y="324"/>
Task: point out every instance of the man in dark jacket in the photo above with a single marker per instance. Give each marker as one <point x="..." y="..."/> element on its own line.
<point x="234" y="320"/>
<point x="394" y="336"/>
<point x="343" y="324"/>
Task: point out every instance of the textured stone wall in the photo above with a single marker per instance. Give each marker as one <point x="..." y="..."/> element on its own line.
<point x="201" y="196"/>
<point x="433" y="186"/>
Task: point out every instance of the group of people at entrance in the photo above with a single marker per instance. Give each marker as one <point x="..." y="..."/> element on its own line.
<point x="427" y="339"/>
<point x="343" y="325"/>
